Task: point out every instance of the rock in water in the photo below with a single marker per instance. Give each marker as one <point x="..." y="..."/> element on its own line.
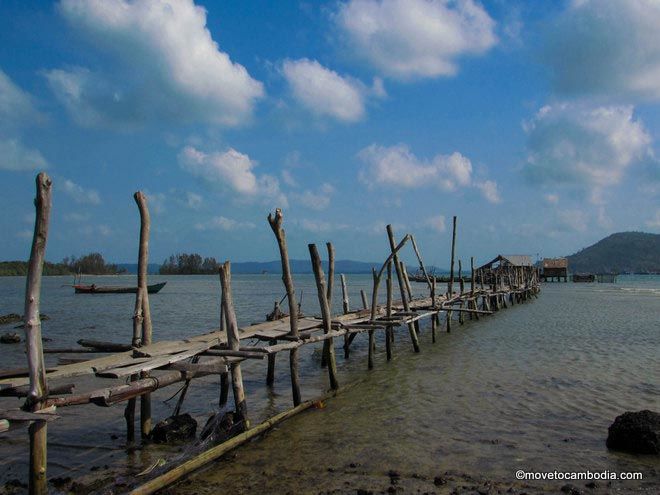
<point x="221" y="427"/>
<point x="636" y="432"/>
<point x="174" y="429"/>
<point x="10" y="338"/>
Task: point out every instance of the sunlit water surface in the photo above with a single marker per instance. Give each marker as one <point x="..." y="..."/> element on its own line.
<point x="533" y="387"/>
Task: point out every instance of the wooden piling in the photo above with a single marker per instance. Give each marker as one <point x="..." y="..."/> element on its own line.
<point x="147" y="330"/>
<point x="450" y="287"/>
<point x="233" y="342"/>
<point x="275" y="222"/>
<point x="365" y="304"/>
<point x="389" y="331"/>
<point x="434" y="320"/>
<point x="38" y="390"/>
<point x="461" y="284"/>
<point x="330" y="283"/>
<point x="346" y="306"/>
<point x="322" y="290"/>
<point x="402" y="289"/>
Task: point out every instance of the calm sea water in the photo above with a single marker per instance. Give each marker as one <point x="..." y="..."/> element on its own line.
<point x="533" y="387"/>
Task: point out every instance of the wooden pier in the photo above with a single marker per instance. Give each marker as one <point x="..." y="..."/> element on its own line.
<point x="146" y="366"/>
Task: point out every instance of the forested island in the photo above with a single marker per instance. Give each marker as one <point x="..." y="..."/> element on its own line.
<point x="90" y="264"/>
<point x="623" y="252"/>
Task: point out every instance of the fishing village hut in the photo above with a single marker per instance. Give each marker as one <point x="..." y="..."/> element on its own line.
<point x="505" y="268"/>
<point x="554" y="268"/>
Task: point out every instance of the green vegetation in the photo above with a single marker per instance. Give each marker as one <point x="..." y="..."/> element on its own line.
<point x="188" y="264"/>
<point x="90" y="264"/>
<point x="624" y="252"/>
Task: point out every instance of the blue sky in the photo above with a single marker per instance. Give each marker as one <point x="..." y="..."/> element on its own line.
<point x="535" y="123"/>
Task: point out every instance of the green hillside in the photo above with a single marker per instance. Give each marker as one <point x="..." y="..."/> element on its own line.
<point x="624" y="252"/>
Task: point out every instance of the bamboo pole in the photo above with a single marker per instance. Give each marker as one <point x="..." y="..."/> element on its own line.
<point x="434" y="321"/>
<point x="402" y="288"/>
<point x="389" y="331"/>
<point x="143" y="263"/>
<point x="325" y="313"/>
<point x="234" y="342"/>
<point x="224" y="377"/>
<point x="450" y="288"/>
<point x="346" y="307"/>
<point x="461" y="283"/>
<point x="363" y="294"/>
<point x="421" y="263"/>
<point x="38" y="390"/>
<point x="275" y="222"/>
<point x="331" y="279"/>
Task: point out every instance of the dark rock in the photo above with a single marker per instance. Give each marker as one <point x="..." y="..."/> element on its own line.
<point x="439" y="481"/>
<point x="10" y="338"/>
<point x="10" y="318"/>
<point x="59" y="483"/>
<point x="591" y="484"/>
<point x="635" y="432"/>
<point x="220" y="427"/>
<point x="571" y="490"/>
<point x="174" y="429"/>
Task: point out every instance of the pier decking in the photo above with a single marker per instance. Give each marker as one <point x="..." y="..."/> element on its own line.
<point x="147" y="366"/>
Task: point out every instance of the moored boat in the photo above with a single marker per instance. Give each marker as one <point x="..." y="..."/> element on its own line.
<point x="114" y="289"/>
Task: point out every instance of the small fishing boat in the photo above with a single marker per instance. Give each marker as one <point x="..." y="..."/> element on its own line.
<point x="114" y="289"/>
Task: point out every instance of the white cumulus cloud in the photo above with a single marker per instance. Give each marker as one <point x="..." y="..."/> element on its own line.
<point x="164" y="63"/>
<point x="16" y="110"/>
<point x="324" y="92"/>
<point x="591" y="147"/>
<point x="233" y="170"/>
<point x="224" y="223"/>
<point x="80" y="194"/>
<point x="416" y="38"/>
<point x="437" y="223"/>
<point x="606" y="47"/>
<point x="15" y="156"/>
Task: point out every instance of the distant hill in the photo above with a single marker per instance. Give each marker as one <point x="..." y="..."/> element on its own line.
<point x="624" y="252"/>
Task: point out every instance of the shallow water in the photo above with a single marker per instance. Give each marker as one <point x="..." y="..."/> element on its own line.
<point x="533" y="387"/>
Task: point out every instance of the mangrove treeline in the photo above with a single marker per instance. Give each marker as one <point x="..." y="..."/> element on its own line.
<point x="90" y="264"/>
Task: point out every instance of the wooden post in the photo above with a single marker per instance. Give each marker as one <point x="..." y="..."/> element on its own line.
<point x="461" y="284"/>
<point x="143" y="262"/>
<point x="402" y="288"/>
<point x="473" y="303"/>
<point x="363" y="294"/>
<point x="374" y="302"/>
<point x="233" y="342"/>
<point x="270" y="377"/>
<point x="224" y="377"/>
<point x="331" y="278"/>
<point x="434" y="320"/>
<point x="38" y="391"/>
<point x="389" y="330"/>
<point x="450" y="288"/>
<point x="275" y="222"/>
<point x="325" y="313"/>
<point x="345" y="302"/>
<point x="421" y="263"/>
<point x="404" y="272"/>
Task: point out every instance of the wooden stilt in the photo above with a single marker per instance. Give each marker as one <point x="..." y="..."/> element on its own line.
<point x="389" y="330"/>
<point x="270" y="377"/>
<point x="363" y="294"/>
<point x="434" y="320"/>
<point x="38" y="390"/>
<point x="275" y="222"/>
<point x="461" y="283"/>
<point x="325" y="312"/>
<point x="346" y="306"/>
<point x="450" y="287"/>
<point x="402" y="288"/>
<point x="146" y="338"/>
<point x="331" y="278"/>
<point x="233" y="341"/>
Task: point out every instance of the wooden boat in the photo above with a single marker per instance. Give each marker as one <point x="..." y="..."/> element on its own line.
<point x="114" y="289"/>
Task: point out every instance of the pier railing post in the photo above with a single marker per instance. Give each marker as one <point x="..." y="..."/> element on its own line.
<point x="233" y="342"/>
<point x="402" y="287"/>
<point x="275" y="222"/>
<point x="325" y="314"/>
<point x="330" y="283"/>
<point x="142" y="299"/>
<point x="38" y="391"/>
<point x="450" y="287"/>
